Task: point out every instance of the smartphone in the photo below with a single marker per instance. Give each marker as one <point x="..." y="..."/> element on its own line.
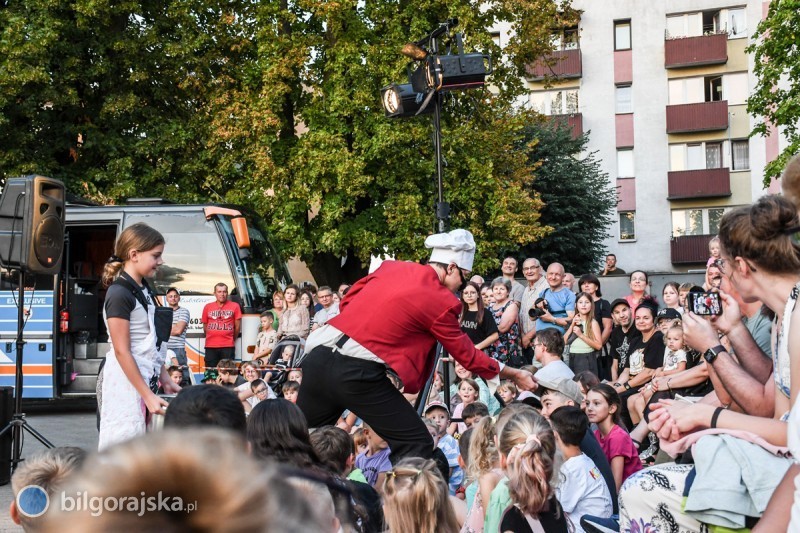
<point x="682" y="399"/>
<point x="704" y="303"/>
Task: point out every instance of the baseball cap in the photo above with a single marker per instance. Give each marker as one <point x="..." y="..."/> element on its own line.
<point x="619" y="301"/>
<point x="438" y="404"/>
<point x="668" y="314"/>
<point x="565" y="386"/>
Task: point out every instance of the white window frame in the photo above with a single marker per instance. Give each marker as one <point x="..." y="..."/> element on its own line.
<point x="679" y="155"/>
<point x="619" y="24"/>
<point x="626" y="164"/>
<point x="545" y="106"/>
<point x="705" y="221"/>
<point x="735" y="32"/>
<point x="733" y="166"/>
<point x="623" y="106"/>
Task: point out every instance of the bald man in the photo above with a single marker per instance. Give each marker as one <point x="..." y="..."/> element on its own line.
<point x="560" y="301"/>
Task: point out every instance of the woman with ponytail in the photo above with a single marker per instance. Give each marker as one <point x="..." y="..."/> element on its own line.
<point x="134" y="364"/>
<point x="527" y="449"/>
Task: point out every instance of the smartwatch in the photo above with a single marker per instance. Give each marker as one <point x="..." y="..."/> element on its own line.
<point x="711" y="354"/>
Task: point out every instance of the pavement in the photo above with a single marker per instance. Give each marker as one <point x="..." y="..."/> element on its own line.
<point x="62" y="429"/>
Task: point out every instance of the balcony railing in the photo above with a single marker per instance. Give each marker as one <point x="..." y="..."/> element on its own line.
<point x="696" y="51"/>
<point x="574" y="121"/>
<point x="704" y="183"/>
<point x="689" y="249"/>
<point x="566" y="64"/>
<point x="704" y="116"/>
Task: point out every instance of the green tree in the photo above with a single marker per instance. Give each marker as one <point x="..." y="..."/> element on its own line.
<point x="274" y="105"/>
<point x="578" y="198"/>
<point x="776" y="98"/>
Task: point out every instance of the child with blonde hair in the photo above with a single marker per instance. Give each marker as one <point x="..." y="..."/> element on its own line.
<point x="507" y="391"/>
<point x="416" y="499"/>
<point x="713" y="251"/>
<point x="469" y="392"/>
<point x="674" y="362"/>
<point x="527" y="449"/>
<point x="484" y="471"/>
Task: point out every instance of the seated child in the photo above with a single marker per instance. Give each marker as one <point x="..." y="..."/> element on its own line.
<point x="582" y="489"/>
<point x="441" y="415"/>
<point x="267" y="337"/>
<point x="295" y="375"/>
<point x="336" y="450"/>
<point x="674" y="362"/>
<point x="527" y="449"/>
<point x="374" y="462"/>
<point x="438" y="455"/>
<point x="175" y="374"/>
<point x="473" y="413"/>
<point x="277" y="374"/>
<point x="507" y="391"/>
<point x="47" y="470"/>
<point x="290" y="391"/>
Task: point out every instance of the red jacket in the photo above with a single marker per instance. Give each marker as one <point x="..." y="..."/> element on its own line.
<point x="399" y="312"/>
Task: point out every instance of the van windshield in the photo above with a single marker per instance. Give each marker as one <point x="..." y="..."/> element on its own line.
<point x="195" y="259"/>
<point x="259" y="270"/>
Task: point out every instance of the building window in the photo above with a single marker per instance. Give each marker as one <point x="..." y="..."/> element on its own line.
<point x="568" y="39"/>
<point x="622" y="35"/>
<point x="624" y="97"/>
<point x="625" y="164"/>
<point x="740" y="155"/>
<point x="495" y="35"/>
<point x="697" y="221"/>
<point x="555" y="102"/>
<point x="735" y="88"/>
<point x="713" y="155"/>
<point x="713" y="85"/>
<point x="627" y="226"/>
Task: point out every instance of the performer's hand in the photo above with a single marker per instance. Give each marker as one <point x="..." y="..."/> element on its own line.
<point x="155" y="404"/>
<point x="524" y="380"/>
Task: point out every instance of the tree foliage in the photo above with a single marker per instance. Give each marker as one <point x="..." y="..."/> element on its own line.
<point x="275" y="105"/>
<point x="578" y="197"/>
<point x="776" y="99"/>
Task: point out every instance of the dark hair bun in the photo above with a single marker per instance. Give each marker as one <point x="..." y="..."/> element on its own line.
<point x="771" y="219"/>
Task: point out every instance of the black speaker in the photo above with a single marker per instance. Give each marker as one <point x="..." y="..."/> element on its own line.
<point x="32" y="224"/>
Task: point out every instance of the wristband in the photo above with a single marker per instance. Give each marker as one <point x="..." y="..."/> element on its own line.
<point x="715" y="416"/>
<point x="617" y="385"/>
<point x="668" y="386"/>
<point x="627" y="386"/>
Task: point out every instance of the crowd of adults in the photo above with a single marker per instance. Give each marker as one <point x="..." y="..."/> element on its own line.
<point x="669" y="412"/>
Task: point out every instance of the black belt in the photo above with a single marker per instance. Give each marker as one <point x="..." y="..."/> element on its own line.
<point x="341" y="342"/>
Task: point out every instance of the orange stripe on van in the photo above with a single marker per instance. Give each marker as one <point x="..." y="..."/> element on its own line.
<point x="30" y="370"/>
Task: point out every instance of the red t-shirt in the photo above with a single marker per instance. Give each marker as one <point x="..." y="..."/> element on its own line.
<point x="220" y="322"/>
<point x="619" y="443"/>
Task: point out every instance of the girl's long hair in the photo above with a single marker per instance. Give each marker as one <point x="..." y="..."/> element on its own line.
<point x="528" y="442"/>
<point x="465" y="307"/>
<point x="590" y="317"/>
<point x="416" y="498"/>
<point x="139" y="237"/>
<point x="483" y="454"/>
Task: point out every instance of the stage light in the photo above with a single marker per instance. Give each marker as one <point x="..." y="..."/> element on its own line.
<point x="402" y="101"/>
<point x="451" y="72"/>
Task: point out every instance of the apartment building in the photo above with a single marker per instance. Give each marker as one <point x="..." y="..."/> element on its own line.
<point x="662" y="89"/>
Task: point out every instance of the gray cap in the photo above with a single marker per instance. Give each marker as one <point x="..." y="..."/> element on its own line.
<point x="565" y="386"/>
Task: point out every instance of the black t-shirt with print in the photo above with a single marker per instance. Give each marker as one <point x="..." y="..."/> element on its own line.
<point x="651" y="353"/>
<point x="475" y="331"/>
<point x="620" y="344"/>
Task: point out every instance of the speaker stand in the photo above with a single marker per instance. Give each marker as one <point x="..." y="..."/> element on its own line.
<point x="18" y="422"/>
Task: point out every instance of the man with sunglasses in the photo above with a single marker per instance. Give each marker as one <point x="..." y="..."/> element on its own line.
<point x="391" y="320"/>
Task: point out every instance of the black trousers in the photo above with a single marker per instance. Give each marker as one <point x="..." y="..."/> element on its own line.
<point x="333" y="382"/>
<point x="215" y="355"/>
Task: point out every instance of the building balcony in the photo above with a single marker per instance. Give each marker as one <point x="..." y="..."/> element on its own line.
<point x="566" y="65"/>
<point x="574" y="121"/>
<point x="703" y="183"/>
<point x="696" y="51"/>
<point x="689" y="249"/>
<point x="704" y="116"/>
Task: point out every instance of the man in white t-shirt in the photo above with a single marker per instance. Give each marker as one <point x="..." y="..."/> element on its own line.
<point x="582" y="490"/>
<point x="548" y="345"/>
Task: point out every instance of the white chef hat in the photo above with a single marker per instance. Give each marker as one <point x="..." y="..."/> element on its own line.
<point x="457" y="247"/>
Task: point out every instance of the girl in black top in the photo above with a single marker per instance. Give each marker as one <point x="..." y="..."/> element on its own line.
<point x="479" y="326"/>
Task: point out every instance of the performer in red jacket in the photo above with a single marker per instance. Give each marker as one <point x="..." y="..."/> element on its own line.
<point x="392" y="319"/>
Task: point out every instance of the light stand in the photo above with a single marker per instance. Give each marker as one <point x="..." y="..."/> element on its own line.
<point x="18" y="422"/>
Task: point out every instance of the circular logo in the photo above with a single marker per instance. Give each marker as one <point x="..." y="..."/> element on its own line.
<point x="33" y="501"/>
